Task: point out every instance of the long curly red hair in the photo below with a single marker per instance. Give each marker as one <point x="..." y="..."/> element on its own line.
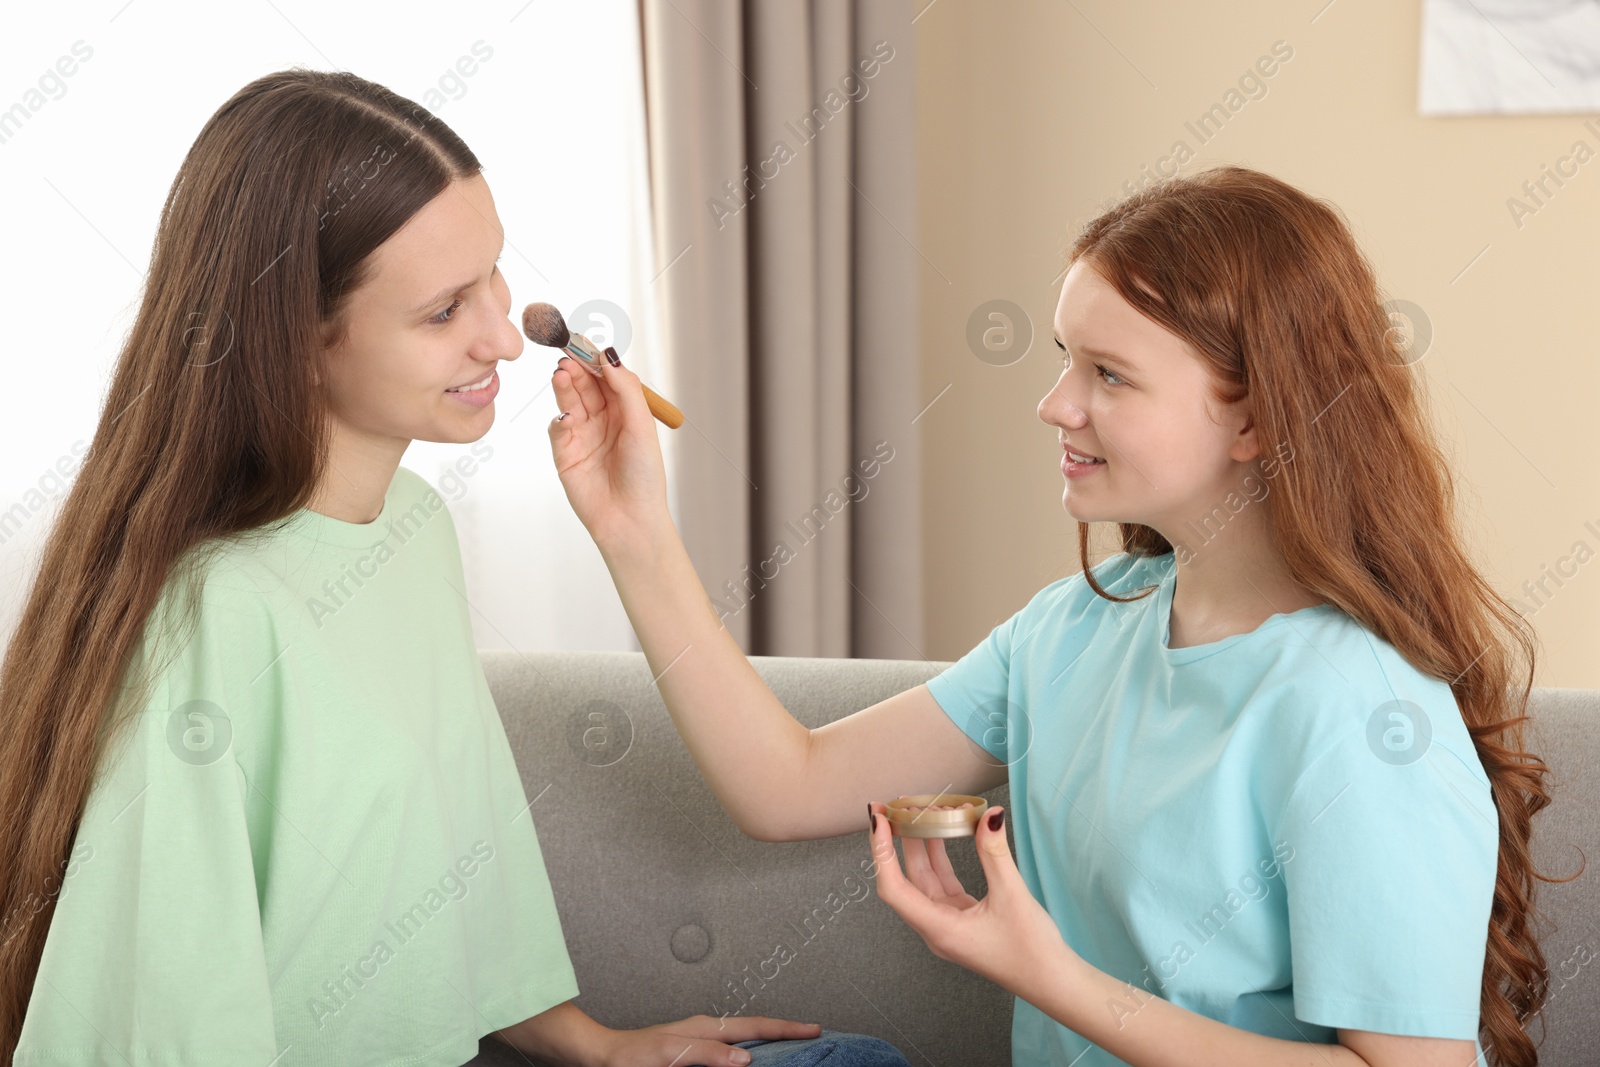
<point x="1268" y="286"/>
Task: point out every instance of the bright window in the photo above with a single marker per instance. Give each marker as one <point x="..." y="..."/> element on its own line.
<point x="554" y="110"/>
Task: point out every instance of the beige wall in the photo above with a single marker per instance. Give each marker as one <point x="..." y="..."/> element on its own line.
<point x="1032" y="114"/>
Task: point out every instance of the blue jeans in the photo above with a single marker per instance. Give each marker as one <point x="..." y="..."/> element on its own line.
<point x="831" y="1048"/>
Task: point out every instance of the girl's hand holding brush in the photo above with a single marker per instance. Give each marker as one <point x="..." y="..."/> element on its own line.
<point x="544" y="325"/>
<point x="607" y="454"/>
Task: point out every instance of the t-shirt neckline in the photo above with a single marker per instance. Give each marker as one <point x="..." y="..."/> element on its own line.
<point x="326" y="529"/>
<point x="1190" y="653"/>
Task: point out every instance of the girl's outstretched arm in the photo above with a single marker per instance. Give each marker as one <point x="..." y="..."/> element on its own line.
<point x="777" y="779"/>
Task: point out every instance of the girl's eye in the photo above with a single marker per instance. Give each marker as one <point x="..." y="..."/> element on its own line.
<point x="444" y="317"/>
<point x="1066" y="361"/>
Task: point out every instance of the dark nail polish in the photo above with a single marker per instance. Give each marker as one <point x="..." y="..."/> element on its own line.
<point x="872" y="819"/>
<point x="995" y="819"/>
<point x="611" y="354"/>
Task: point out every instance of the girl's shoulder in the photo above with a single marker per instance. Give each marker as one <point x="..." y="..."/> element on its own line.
<point x="242" y="580"/>
<point x="214" y="594"/>
<point x="1350" y="702"/>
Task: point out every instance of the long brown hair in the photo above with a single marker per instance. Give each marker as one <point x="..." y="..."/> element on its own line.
<point x="214" y="425"/>
<point x="1268" y="286"/>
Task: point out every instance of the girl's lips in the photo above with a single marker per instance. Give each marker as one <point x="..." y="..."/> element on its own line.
<point x="1078" y="470"/>
<point x="476" y="383"/>
<point x="479" y="397"/>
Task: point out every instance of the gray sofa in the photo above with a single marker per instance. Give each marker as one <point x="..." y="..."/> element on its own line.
<point x="668" y="909"/>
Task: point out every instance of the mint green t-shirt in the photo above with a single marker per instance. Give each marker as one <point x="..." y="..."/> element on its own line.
<point x="1287" y="830"/>
<point x="314" y="847"/>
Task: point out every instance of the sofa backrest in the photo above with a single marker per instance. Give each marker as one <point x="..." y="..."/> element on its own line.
<point x="1566" y="734"/>
<point x="670" y="911"/>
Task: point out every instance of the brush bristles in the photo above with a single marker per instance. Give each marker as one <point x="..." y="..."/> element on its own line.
<point x="544" y="325"/>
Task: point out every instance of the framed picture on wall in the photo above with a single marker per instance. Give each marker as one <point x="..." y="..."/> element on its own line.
<point x="1509" y="56"/>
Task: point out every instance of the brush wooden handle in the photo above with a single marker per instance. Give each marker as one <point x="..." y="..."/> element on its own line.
<point x="662" y="408"/>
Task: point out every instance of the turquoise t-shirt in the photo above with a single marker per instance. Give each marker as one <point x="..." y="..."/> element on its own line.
<point x="1287" y="830"/>
<point x="313" y="847"/>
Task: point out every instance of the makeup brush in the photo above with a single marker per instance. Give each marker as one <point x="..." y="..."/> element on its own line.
<point x="544" y="326"/>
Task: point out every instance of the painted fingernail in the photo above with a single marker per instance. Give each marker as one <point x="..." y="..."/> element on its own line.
<point x="611" y="354"/>
<point x="995" y="819"/>
<point x="872" y="819"/>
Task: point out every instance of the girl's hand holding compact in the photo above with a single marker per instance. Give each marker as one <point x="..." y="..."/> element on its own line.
<point x="1007" y="937"/>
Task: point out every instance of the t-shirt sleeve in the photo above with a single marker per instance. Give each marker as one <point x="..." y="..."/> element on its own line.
<point x="979" y="691"/>
<point x="972" y="690"/>
<point x="975" y="691"/>
<point x="1395" y="841"/>
<point x="154" y="952"/>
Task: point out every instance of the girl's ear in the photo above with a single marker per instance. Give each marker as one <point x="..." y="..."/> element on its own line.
<point x="326" y="336"/>
<point x="332" y="333"/>
<point x="1247" y="445"/>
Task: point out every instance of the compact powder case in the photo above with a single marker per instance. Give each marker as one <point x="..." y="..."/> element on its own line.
<point x="914" y="816"/>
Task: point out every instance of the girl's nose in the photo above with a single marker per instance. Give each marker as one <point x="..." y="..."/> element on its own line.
<point x="1057" y="410"/>
<point x="508" y="345"/>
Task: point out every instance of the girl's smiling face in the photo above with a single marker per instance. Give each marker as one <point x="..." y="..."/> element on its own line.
<point x="1137" y="395"/>
<point x="433" y="317"/>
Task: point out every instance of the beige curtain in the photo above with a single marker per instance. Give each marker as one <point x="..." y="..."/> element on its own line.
<point x="783" y="193"/>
